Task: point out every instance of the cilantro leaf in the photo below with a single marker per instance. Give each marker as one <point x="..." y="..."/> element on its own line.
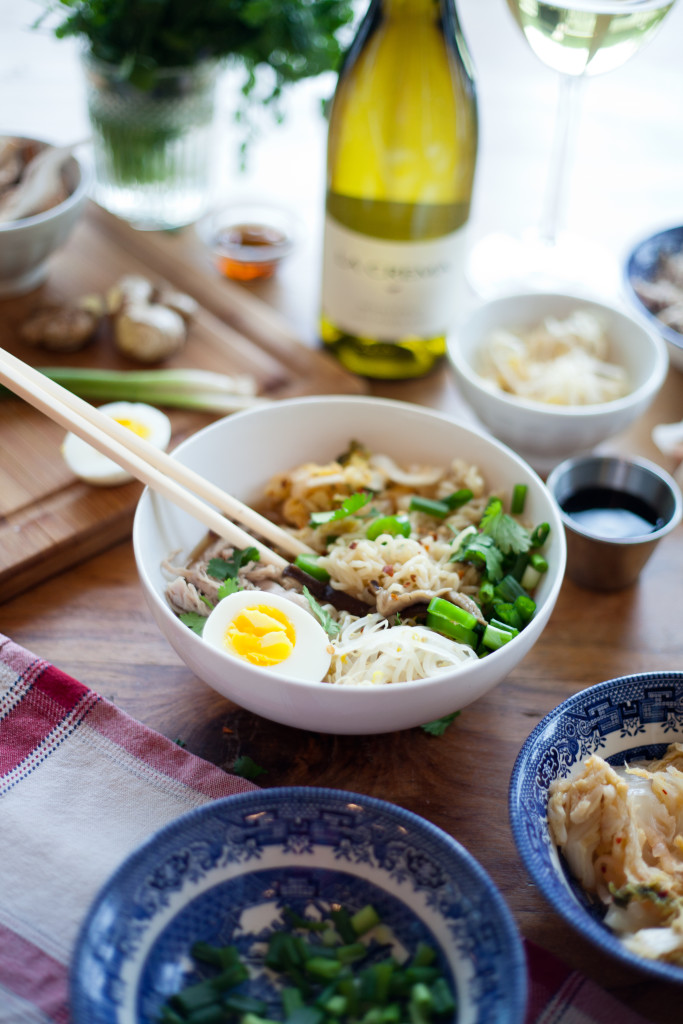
<point x="481" y="550"/>
<point x="507" y="534"/>
<point x="439" y="725"/>
<point x="247" y="768"/>
<point x="348" y="507"/>
<point x="229" y="586"/>
<point x="221" y="568"/>
<point x="324" y="618"/>
<point x="194" y="620"/>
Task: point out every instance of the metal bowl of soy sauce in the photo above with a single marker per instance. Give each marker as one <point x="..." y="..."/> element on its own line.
<point x="615" y="511"/>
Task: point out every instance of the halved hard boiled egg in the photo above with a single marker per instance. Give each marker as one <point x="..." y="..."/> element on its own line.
<point x="269" y="632"/>
<point x="95" y="468"/>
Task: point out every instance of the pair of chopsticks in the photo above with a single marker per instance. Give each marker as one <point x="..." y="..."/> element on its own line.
<point x="159" y="471"/>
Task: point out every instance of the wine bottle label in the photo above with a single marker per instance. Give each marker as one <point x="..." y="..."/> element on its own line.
<point x="386" y="289"/>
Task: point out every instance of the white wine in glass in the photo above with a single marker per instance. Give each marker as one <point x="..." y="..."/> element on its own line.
<point x="576" y="38"/>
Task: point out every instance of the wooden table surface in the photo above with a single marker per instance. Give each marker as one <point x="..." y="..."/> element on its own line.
<point x="92" y="621"/>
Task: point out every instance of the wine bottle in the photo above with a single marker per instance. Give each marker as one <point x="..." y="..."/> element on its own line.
<point x="401" y="157"/>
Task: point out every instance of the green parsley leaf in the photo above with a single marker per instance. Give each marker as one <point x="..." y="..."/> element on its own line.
<point x="324" y="618"/>
<point x="506" y="532"/>
<point x="247" y="768"/>
<point x="194" y="620"/>
<point x="221" y="568"/>
<point x="439" y="725"/>
<point x="229" y="586"/>
<point x="481" y="550"/>
<point x="348" y="507"/>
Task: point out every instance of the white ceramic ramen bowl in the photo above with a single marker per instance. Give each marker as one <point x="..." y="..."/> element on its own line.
<point x="542" y="433"/>
<point x="240" y="454"/>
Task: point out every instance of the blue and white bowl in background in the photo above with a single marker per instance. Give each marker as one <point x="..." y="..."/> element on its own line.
<point x="626" y="719"/>
<point x="224" y="873"/>
<point x="643" y="264"/>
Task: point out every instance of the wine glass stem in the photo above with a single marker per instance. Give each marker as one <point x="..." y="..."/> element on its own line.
<point x="564" y="136"/>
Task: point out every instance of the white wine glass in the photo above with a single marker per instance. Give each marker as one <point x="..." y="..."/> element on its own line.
<point x="578" y="39"/>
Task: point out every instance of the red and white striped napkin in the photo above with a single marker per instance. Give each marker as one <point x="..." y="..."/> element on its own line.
<point x="81" y="785"/>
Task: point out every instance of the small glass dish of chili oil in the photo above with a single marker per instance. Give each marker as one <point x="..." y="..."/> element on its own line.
<point x="248" y="241"/>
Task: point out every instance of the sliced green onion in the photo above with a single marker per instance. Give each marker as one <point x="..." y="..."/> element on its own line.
<point x="438" y="509"/>
<point x="508" y="589"/>
<point x="458" y="498"/>
<point x="531" y="578"/>
<point x="453" y="612"/>
<point x="193" y="997"/>
<point x="453" y="630"/>
<point x="538" y="562"/>
<point x="396" y="526"/>
<point x="540" y="535"/>
<point x="495" y="637"/>
<point x="518" y="499"/>
<point x="309" y="564"/>
<point x="518" y="565"/>
<point x="364" y="919"/>
<point x="526" y="607"/>
<point x="320" y="985"/>
<point x="507" y="613"/>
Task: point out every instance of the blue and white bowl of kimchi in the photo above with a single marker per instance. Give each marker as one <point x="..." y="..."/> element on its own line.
<point x="394" y="560"/>
<point x="240" y="873"/>
<point x="595" y="802"/>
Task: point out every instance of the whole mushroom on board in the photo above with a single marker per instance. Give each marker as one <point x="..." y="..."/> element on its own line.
<point x="149" y="332"/>
<point x="60" y="328"/>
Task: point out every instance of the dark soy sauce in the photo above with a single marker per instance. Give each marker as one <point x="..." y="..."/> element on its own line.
<point x="605" y="512"/>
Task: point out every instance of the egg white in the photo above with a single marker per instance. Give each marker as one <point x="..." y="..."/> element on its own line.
<point x="310" y="658"/>
<point x="88" y="464"/>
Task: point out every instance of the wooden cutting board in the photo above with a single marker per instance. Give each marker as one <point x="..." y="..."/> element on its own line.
<point x="50" y="520"/>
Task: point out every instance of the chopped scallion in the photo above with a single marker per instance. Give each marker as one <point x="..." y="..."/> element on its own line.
<point x="518" y="499"/>
<point x="431" y="507"/>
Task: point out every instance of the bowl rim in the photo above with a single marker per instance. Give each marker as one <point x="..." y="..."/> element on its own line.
<point x="673" y="337"/>
<point x="80" y="192"/>
<point x="558" y="898"/>
<point x="649" y="387"/>
<point x="367" y="693"/>
<point x="517" y="964"/>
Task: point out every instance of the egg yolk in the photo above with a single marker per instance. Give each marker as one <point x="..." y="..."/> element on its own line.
<point x="262" y="635"/>
<point x="141" y="429"/>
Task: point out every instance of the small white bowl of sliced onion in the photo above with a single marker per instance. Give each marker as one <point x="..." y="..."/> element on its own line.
<point x="555" y="374"/>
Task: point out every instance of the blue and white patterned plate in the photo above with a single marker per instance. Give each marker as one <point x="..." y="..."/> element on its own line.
<point x="224" y="873"/>
<point x="629" y="718"/>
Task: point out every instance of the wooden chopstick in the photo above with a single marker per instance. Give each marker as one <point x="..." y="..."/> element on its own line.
<point x="158" y="470"/>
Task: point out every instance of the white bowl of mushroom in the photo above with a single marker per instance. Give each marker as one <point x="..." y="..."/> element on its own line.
<point x="43" y="189"/>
